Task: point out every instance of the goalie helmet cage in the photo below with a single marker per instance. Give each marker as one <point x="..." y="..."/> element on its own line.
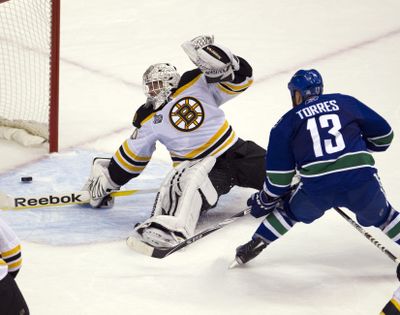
<point x="29" y="68"/>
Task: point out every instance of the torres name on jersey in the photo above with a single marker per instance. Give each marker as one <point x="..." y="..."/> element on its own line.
<point x="321" y="137"/>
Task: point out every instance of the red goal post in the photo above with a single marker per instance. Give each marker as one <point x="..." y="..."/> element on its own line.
<point x="29" y="71"/>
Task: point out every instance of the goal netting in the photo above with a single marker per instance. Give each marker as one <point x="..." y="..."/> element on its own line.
<point x="29" y="53"/>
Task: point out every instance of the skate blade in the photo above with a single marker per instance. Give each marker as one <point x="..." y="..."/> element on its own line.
<point x="233" y="264"/>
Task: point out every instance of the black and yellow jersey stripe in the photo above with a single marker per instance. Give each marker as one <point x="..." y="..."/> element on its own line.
<point x="391" y="308"/>
<point x="222" y="139"/>
<point x="191" y="124"/>
<point x="10" y="261"/>
<point x="131" y="162"/>
<point x="233" y="89"/>
<point x="187" y="80"/>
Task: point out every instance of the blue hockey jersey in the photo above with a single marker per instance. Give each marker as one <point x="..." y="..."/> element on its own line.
<point x="323" y="138"/>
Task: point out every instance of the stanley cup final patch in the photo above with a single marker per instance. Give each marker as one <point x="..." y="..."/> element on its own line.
<point x="187" y="114"/>
<point x="158" y="119"/>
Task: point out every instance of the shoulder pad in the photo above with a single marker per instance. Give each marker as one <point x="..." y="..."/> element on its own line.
<point x="188" y="77"/>
<point x="185" y="81"/>
<point x="141" y="114"/>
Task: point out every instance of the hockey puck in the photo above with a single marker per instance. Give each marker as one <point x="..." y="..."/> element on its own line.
<point x="26" y="179"/>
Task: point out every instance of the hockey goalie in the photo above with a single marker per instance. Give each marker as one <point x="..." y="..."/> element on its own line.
<point x="184" y="114"/>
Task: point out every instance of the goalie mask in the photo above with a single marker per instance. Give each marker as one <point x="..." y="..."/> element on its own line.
<point x="158" y="81"/>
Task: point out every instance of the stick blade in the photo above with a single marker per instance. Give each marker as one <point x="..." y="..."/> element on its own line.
<point x="136" y="244"/>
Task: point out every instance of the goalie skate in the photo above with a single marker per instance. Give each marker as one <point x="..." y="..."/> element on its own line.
<point x="160" y="238"/>
<point x="155" y="242"/>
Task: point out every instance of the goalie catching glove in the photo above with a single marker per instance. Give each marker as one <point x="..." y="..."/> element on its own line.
<point x="100" y="185"/>
<point x="215" y="61"/>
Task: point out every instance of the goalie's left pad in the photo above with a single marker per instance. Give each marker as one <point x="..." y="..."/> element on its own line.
<point x="215" y="61"/>
<point x="179" y="203"/>
<point x="100" y="185"/>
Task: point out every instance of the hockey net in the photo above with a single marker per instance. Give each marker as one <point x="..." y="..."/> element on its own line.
<point x="29" y="59"/>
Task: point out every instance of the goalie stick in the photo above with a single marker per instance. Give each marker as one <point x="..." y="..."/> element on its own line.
<point x="58" y="199"/>
<point x="158" y="252"/>
<point x="368" y="236"/>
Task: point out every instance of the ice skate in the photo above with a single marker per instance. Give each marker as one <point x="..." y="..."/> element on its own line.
<point x="250" y="250"/>
<point x="159" y="237"/>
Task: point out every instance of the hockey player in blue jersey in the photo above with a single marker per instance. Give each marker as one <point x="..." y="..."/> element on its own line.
<point x="327" y="140"/>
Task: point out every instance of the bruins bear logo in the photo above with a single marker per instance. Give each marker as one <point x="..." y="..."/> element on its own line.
<point x="187" y="114"/>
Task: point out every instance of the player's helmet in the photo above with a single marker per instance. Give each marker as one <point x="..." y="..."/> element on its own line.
<point x="158" y="80"/>
<point x="307" y="82"/>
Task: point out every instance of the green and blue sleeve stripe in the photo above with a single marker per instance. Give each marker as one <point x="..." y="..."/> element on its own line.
<point x="278" y="182"/>
<point x="380" y="143"/>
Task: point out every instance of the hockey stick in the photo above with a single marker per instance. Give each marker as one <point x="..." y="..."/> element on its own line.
<point x="368" y="236"/>
<point x="146" y="249"/>
<point x="58" y="199"/>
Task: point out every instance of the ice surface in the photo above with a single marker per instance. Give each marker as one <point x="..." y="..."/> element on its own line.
<point x="325" y="268"/>
<point x="71" y="225"/>
<point x="80" y="224"/>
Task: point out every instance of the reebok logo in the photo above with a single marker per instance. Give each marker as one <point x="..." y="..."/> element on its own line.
<point x="51" y="200"/>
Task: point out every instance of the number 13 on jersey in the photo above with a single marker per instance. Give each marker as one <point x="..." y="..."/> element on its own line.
<point x="328" y="146"/>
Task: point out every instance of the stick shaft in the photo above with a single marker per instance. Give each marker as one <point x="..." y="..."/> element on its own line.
<point x="139" y="246"/>
<point x="368" y="236"/>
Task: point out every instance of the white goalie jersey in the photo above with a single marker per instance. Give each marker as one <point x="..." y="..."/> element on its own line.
<point x="191" y="125"/>
<point x="10" y="251"/>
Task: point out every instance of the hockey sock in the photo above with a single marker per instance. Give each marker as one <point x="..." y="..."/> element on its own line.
<point x="275" y="224"/>
<point x="392" y="226"/>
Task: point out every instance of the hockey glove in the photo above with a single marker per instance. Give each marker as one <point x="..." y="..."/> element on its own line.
<point x="262" y="204"/>
<point x="215" y="61"/>
<point x="100" y="184"/>
<point x="191" y="47"/>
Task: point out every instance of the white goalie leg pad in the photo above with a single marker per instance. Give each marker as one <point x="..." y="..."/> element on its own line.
<point x="167" y="199"/>
<point x="181" y="198"/>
